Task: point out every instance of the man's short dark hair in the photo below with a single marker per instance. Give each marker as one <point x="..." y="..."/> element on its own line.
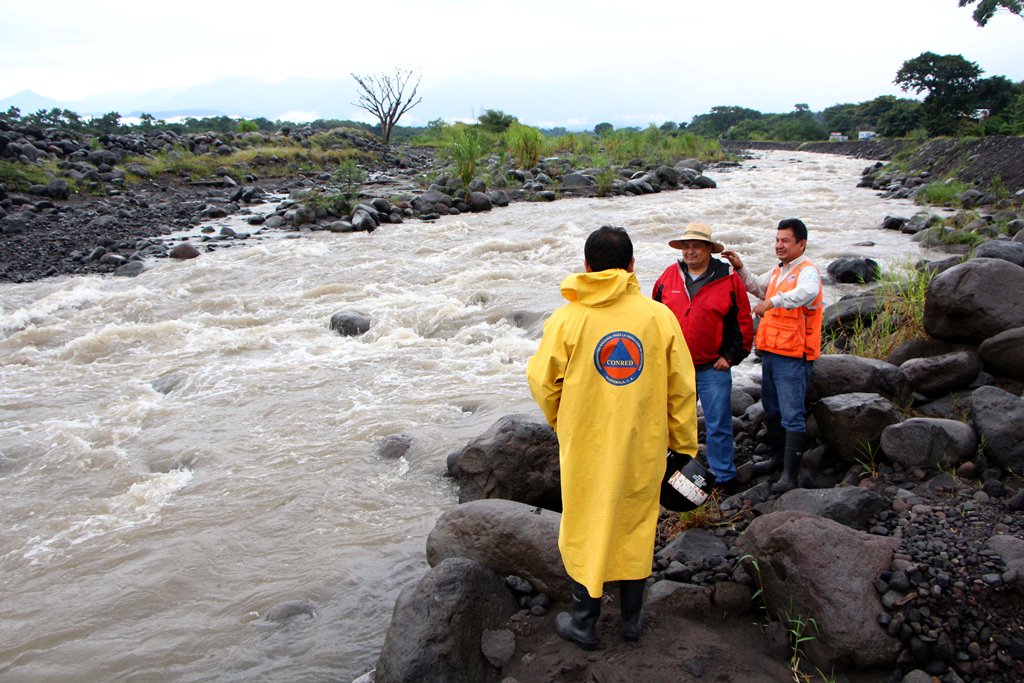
<point x="796" y="225"/>
<point x="608" y="247"/>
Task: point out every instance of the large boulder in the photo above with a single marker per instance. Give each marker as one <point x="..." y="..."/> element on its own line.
<point x="1001" y="249"/>
<point x="478" y="201"/>
<point x="929" y="442"/>
<point x="938" y="375"/>
<point x="998" y="416"/>
<point x="516" y="459"/>
<point x="1003" y="354"/>
<point x="577" y="180"/>
<point x="810" y="567"/>
<point x="437" y="625"/>
<point x="851" y="424"/>
<point x="960" y="303"/>
<point x="848" y="312"/>
<point x="507" y="537"/>
<point x="851" y="506"/>
<point x="694" y="545"/>
<point x="842" y="374"/>
<point x="853" y="269"/>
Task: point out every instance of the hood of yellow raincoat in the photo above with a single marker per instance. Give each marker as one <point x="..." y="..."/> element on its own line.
<point x="600" y="288"/>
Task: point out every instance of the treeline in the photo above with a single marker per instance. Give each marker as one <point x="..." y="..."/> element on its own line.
<point x="957" y="102"/>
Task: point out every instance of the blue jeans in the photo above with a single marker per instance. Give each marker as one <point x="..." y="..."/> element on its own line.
<point x="714" y="389"/>
<point x="784" y="389"/>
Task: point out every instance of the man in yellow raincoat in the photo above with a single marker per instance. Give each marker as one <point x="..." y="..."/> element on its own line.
<point x="615" y="380"/>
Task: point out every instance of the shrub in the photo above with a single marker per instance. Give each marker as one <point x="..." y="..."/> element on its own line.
<point x="349" y="177"/>
<point x="524" y="144"/>
<point x="246" y="126"/>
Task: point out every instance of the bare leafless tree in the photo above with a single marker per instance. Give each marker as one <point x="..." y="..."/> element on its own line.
<point x="384" y="97"/>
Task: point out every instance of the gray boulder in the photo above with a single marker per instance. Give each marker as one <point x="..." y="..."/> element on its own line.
<point x="938" y="375"/>
<point x="928" y="442"/>
<point x="918" y="348"/>
<point x="1003" y="354"/>
<point x="998" y="416"/>
<point x="693" y="164"/>
<point x="851" y="424"/>
<point x="702" y="182"/>
<point x="350" y="323"/>
<point x="576" y="180"/>
<point x="1011" y="551"/>
<point x="694" y="545"/>
<point x="1001" y="249"/>
<point x="835" y="374"/>
<point x="437" y="625"/>
<point x="363" y="221"/>
<point x="58" y="189"/>
<point x="183" y="251"/>
<point x="851" y="506"/>
<point x="515" y="459"/>
<point x="853" y="269"/>
<point x="849" y="311"/>
<point x="478" y="201"/>
<point x="507" y="537"/>
<point x="959" y="303"/>
<point x="667" y="175"/>
<point x="814" y="568"/>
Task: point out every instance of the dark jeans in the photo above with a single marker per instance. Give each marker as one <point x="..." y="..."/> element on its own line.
<point x="784" y="389"/>
<point x="714" y="389"/>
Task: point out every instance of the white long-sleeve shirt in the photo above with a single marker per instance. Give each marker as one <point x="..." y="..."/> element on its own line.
<point x="808" y="284"/>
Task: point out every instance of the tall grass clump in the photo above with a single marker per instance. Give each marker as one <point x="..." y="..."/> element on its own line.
<point x="899" y="318"/>
<point x="942" y="194"/>
<point x="465" y="148"/>
<point x="524" y="144"/>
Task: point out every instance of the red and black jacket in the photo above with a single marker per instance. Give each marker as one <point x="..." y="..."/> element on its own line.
<point x="717" y="321"/>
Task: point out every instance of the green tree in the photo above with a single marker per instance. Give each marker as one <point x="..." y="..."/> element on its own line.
<point x="950" y="81"/>
<point x="898" y="120"/>
<point x="986" y="9"/>
<point x="603" y="129"/>
<point x="720" y="119"/>
<point x="495" y="121"/>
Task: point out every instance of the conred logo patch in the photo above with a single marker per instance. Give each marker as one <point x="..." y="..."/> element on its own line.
<point x="619" y="357"/>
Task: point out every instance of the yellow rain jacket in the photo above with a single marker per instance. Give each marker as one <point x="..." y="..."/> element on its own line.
<point x="615" y="380"/>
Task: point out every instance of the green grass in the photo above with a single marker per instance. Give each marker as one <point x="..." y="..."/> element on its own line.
<point x="942" y="194"/>
<point x="900" y="317"/>
<point x="20" y="177"/>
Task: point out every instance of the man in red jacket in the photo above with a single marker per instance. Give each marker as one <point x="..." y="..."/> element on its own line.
<point x="711" y="304"/>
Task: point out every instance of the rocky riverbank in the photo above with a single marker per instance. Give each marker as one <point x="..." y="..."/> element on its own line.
<point x="978" y="162"/>
<point x="71" y="203"/>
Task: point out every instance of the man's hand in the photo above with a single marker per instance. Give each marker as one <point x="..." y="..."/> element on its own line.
<point x="733" y="258"/>
<point x="763" y="307"/>
<point x="721" y="364"/>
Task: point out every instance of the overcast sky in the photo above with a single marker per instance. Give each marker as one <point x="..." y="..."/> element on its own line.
<point x="642" y="61"/>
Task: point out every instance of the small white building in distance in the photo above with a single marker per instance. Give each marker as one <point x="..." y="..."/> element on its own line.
<point x="866" y="135"/>
<point x="837" y="137"/>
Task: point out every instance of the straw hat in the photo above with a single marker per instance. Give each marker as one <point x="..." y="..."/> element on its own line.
<point x="698" y="231"/>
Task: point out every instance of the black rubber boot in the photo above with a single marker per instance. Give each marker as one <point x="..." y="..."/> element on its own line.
<point x="581" y="626"/>
<point x="776" y="440"/>
<point x="795" y="444"/>
<point x="631" y="602"/>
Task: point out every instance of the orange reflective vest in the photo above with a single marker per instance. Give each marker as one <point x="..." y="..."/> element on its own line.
<point x="794" y="332"/>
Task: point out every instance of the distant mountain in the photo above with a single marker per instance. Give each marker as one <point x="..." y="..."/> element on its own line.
<point x="28" y="102"/>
